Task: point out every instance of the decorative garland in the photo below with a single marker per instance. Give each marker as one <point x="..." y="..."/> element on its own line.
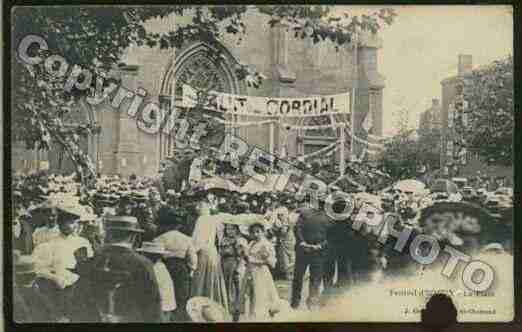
<point x="326" y="148"/>
<point x="260" y="123"/>
<point x="360" y="140"/>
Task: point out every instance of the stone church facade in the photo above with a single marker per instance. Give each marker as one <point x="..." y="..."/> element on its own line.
<point x="293" y="67"/>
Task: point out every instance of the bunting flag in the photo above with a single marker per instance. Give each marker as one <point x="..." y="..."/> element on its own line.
<point x="374" y="144"/>
<point x="260" y="123"/>
<point x="368" y="122"/>
<point x="371" y="145"/>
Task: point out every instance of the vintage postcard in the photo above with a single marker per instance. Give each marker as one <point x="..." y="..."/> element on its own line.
<point x="261" y="163"/>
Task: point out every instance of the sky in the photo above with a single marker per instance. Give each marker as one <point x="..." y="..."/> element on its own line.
<point x="421" y="47"/>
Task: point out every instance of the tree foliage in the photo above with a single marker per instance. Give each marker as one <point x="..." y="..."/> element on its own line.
<point x="399" y="156"/>
<point x="489" y="129"/>
<point x="95" y="38"/>
<point x="405" y="152"/>
<point x="428" y="147"/>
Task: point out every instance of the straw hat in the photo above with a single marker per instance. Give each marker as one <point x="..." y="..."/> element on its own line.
<point x="281" y="210"/>
<point x="140" y="196"/>
<point x="281" y="306"/>
<point x="24" y="264"/>
<point x="109" y="211"/>
<point x="152" y="248"/>
<point x="66" y="208"/>
<point x="48" y="204"/>
<point x="204" y="310"/>
<point x="173" y="193"/>
<point x="124" y="223"/>
<point x="258" y="222"/>
<point x="493" y="248"/>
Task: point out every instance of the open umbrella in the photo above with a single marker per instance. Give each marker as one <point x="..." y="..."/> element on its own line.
<point x="271" y="182"/>
<point x="410" y="185"/>
<point x="368" y="199"/>
<point x="219" y="182"/>
<point x="444" y="186"/>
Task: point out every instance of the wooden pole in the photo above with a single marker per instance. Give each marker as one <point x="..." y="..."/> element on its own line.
<point x="271" y="139"/>
<point x="352" y="124"/>
<point x="172" y="109"/>
<point x="352" y="97"/>
<point x="341" y="163"/>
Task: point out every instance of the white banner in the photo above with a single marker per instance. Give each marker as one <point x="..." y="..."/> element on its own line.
<point x="267" y="106"/>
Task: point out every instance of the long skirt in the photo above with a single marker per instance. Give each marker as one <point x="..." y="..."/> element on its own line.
<point x="258" y="293"/>
<point x="180" y="275"/>
<point x="285" y="260"/>
<point x="233" y="271"/>
<point x="208" y="280"/>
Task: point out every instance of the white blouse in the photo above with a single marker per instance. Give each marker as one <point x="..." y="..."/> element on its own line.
<point x="166" y="287"/>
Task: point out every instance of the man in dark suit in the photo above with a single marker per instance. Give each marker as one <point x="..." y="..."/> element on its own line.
<point x="122" y="282"/>
<point x="181" y="259"/>
<point x="23" y="232"/>
<point x="340" y="238"/>
<point x="30" y="305"/>
<point x="311" y="251"/>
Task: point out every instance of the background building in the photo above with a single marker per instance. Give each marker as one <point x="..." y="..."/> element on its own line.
<point x="471" y="164"/>
<point x="294" y="67"/>
<point x="431" y="118"/>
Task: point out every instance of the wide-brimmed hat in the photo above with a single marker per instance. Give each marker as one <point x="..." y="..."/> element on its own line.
<point x="218" y="192"/>
<point x="87" y="213"/>
<point x="45" y="206"/>
<point x="24" y="264"/>
<point x="105" y="199"/>
<point x="68" y="207"/>
<point x="281" y="210"/>
<point x="259" y="222"/>
<point x="197" y="195"/>
<point x="280" y="306"/>
<point x="152" y="248"/>
<point x="242" y="206"/>
<point x="124" y="223"/>
<point x="173" y="193"/>
<point x="23" y="214"/>
<point x="140" y="196"/>
<point x="64" y="207"/>
<point x="493" y="248"/>
<point x="204" y="310"/>
<point x="109" y="211"/>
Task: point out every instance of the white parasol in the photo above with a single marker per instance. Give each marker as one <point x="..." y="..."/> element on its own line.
<point x="271" y="182"/>
<point x="414" y="186"/>
<point x="218" y="182"/>
<point x="367" y="198"/>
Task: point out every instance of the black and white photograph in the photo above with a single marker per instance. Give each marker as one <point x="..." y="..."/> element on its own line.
<point x="260" y="163"/>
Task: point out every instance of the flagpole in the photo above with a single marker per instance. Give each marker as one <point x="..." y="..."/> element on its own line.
<point x="271" y="141"/>
<point x="341" y="164"/>
<point x="172" y="108"/>
<point x="352" y="125"/>
<point x="352" y="98"/>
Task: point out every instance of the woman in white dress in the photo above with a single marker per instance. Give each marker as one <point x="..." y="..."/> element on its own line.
<point x="258" y="287"/>
<point x="208" y="280"/>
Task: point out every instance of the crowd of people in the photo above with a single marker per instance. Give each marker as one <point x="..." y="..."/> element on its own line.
<point x="132" y="251"/>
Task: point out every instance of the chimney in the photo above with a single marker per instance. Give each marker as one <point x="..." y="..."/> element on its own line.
<point x="435" y="102"/>
<point x="465" y="64"/>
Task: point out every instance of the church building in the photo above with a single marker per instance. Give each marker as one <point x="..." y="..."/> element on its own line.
<point x="293" y="67"/>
